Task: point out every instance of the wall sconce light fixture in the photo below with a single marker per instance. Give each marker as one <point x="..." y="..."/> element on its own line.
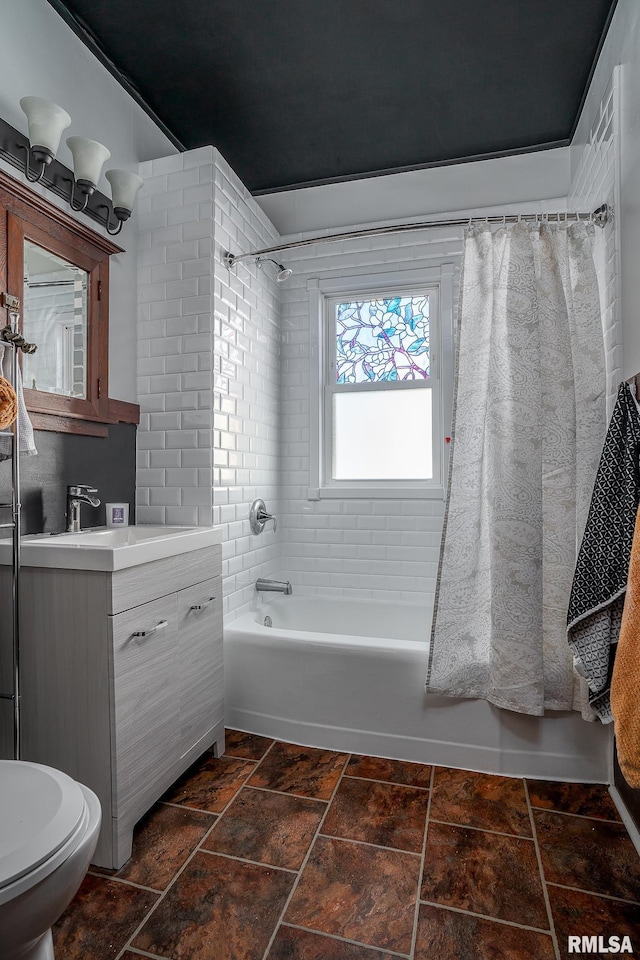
<point x="124" y="187"/>
<point x="46" y="122"/>
<point x="89" y="157"/>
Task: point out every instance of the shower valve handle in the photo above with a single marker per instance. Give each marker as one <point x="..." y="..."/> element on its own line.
<point x="259" y="517"/>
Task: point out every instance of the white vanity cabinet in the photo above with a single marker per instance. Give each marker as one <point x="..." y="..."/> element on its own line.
<point x="122" y="684"/>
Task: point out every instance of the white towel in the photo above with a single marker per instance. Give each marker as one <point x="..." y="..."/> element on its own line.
<point x="26" y="441"/>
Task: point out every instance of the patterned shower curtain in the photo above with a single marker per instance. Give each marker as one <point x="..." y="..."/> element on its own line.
<point x="529" y="423"/>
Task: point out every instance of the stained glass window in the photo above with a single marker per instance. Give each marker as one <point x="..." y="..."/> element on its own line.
<point x="382" y="340"/>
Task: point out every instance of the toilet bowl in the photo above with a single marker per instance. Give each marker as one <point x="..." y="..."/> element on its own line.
<point x="49" y="828"/>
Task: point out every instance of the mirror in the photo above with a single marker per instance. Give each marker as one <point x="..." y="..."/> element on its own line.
<point x="54" y="317"/>
<point x="58" y="269"/>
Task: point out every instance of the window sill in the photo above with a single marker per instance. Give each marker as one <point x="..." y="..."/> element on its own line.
<point x="391" y="492"/>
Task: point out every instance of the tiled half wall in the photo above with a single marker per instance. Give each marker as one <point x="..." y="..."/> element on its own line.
<point x="208" y="351"/>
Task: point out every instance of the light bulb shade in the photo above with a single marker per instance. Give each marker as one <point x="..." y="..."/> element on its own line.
<point x="89" y="156"/>
<point x="124" y="187"/>
<point x="46" y="122"/>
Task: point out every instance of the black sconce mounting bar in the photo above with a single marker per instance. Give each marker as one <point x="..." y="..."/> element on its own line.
<point x="56" y="177"/>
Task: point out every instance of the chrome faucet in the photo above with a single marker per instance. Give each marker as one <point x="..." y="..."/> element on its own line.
<point x="274" y="586"/>
<point x="77" y="494"/>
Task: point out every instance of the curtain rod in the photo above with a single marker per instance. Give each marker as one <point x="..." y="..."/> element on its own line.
<point x="599" y="217"/>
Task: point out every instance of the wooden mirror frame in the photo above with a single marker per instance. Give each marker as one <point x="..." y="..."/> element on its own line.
<point x="25" y="215"/>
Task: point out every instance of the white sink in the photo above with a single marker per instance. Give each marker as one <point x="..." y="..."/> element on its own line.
<point x="114" y="536"/>
<point x="109" y="548"/>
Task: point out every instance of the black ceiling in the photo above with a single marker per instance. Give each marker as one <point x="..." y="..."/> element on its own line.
<point x="299" y="92"/>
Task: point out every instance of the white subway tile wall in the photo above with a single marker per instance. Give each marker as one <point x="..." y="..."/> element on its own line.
<point x="355" y="548"/>
<point x="596" y="181"/>
<point x="208" y="357"/>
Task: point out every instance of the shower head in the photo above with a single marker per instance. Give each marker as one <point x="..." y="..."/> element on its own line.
<point x="283" y="272"/>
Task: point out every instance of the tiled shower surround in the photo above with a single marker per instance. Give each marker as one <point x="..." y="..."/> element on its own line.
<point x="351" y="547"/>
<point x="282" y="852"/>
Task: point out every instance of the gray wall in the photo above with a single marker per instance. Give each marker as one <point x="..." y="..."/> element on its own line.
<point x="107" y="463"/>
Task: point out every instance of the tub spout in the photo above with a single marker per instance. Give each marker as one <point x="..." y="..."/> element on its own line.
<point x="275" y="586"/>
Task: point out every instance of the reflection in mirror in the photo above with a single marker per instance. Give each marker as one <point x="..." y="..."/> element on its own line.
<point x="55" y="318"/>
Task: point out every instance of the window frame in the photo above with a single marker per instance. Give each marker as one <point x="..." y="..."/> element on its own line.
<point x="323" y="295"/>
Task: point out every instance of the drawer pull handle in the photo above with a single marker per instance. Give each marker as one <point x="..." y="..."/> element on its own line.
<point x="201" y="606"/>
<point x="147" y="633"/>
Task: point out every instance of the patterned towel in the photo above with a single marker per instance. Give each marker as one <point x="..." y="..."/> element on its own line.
<point x="600" y="578"/>
<point x="625" y="683"/>
<point x="27" y="442"/>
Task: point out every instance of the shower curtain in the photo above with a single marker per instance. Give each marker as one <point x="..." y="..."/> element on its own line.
<point x="529" y="423"/>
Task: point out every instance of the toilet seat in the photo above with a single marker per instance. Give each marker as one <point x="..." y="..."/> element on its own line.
<point x="43" y="816"/>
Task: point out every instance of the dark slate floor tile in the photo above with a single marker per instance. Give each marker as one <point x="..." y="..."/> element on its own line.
<point x="480" y="800"/>
<point x="271" y="828"/>
<point x="383" y="813"/>
<point x="217" y="908"/>
<point x="485" y="873"/>
<point x="594" y="855"/>
<point x="210" y="784"/>
<point x="306" y="771"/>
<point x="448" y="935"/>
<point x="246" y="746"/>
<point x="359" y="892"/>
<point x="293" y="944"/>
<point x="585" y="915"/>
<point x="584" y="799"/>
<point x="100" y="919"/>
<point x="162" y="841"/>
<point x="391" y="771"/>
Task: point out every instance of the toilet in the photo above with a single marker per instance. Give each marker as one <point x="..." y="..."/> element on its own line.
<point x="49" y="828"/>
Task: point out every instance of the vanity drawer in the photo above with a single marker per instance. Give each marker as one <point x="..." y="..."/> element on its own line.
<point x="145" y="725"/>
<point x="136" y="585"/>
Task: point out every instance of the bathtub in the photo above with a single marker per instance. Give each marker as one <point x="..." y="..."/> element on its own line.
<point x="349" y="675"/>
